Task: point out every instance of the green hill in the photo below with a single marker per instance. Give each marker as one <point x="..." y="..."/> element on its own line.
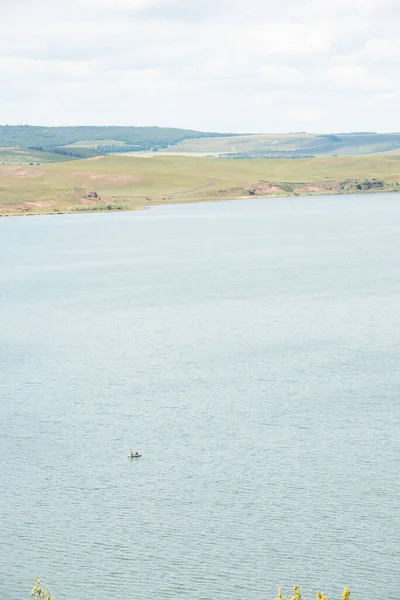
<point x="27" y="156"/>
<point x="296" y="145"/>
<point x="83" y="141"/>
<point x="64" y="143"/>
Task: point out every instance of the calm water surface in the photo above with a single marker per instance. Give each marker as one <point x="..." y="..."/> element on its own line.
<point x="251" y="351"/>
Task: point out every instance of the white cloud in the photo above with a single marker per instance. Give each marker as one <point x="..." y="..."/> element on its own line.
<point x="340" y="7"/>
<point x="210" y="64"/>
<point x="382" y="50"/>
<point x="357" y="78"/>
<point x="283" y="38"/>
<point x="64" y="71"/>
<point x="123" y="4"/>
<point x="281" y="76"/>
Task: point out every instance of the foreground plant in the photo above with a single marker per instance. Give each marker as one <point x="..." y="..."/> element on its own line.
<point x="319" y="596"/>
<point x="38" y="593"/>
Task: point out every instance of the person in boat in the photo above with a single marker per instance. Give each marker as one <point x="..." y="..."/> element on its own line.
<point x="136" y="453"/>
<point x="131" y="455"/>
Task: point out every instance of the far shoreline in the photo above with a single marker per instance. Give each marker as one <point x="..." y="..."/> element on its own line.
<point x="155" y="203"/>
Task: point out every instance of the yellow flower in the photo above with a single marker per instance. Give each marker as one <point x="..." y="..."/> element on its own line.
<point x="297" y="593"/>
<point x="280" y="596"/>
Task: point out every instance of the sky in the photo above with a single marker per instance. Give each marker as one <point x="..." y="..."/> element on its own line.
<point x="214" y="65"/>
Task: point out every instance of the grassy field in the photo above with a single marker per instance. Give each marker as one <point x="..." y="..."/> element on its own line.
<point x="94" y="144"/>
<point x="297" y="144"/>
<point x="26" y="144"/>
<point x="25" y="156"/>
<point x="244" y="143"/>
<point x="120" y="182"/>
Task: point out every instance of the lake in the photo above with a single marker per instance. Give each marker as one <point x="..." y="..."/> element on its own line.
<point x="250" y="351"/>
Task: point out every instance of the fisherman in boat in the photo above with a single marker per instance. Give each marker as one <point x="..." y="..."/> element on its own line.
<point x="133" y="455"/>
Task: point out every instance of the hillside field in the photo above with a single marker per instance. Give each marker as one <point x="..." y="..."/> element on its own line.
<point x="26" y="156"/>
<point x="26" y="144"/>
<point x="87" y="141"/>
<point x="117" y="182"/>
<point x="288" y="145"/>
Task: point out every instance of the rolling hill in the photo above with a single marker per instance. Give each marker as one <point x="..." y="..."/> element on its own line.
<point x="123" y="182"/>
<point x="86" y="141"/>
<point x="25" y="144"/>
<point x="299" y="145"/>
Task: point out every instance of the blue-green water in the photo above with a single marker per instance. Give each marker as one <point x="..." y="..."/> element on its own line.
<point x="251" y="351"/>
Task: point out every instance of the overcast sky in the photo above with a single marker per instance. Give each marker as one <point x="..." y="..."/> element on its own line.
<point x="215" y="65"/>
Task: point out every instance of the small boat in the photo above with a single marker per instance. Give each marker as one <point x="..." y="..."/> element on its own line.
<point x="132" y="455"/>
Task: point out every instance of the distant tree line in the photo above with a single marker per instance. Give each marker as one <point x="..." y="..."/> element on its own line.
<point x="135" y="138"/>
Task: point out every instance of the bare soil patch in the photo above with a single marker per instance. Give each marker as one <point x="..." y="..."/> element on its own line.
<point x="104" y="178"/>
<point x="43" y="203"/>
<point x="20" y="172"/>
<point x="266" y="188"/>
<point x="311" y="188"/>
